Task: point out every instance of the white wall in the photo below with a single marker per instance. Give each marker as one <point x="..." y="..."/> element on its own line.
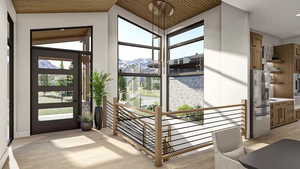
<point x="235" y="56"/>
<point x="5" y="7"/>
<point x="26" y="22"/>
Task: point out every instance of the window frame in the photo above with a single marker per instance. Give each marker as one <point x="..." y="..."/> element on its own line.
<point x="168" y="48"/>
<point x="124" y="74"/>
<point x="10" y="43"/>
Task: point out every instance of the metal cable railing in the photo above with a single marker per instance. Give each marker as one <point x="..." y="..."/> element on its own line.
<point x="183" y="135"/>
<point x="164" y="135"/>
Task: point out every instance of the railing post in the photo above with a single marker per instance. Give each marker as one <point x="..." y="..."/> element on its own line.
<point x="104" y="112"/>
<point x="144" y="135"/>
<point x="158" y="137"/>
<point x="115" y="116"/>
<point x="245" y="110"/>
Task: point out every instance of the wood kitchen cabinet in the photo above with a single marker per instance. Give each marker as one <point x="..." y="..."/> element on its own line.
<point x="297" y="65"/>
<point x="289" y="54"/>
<point x="282" y="113"/>
<point x="256" y="51"/>
<point x="297" y="111"/>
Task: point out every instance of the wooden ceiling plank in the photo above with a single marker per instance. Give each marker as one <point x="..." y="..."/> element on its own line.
<point x="62" y="6"/>
<point x="184" y="9"/>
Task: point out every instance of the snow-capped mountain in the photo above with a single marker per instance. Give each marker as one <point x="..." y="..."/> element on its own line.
<point x="46" y="64"/>
<point x="137" y="66"/>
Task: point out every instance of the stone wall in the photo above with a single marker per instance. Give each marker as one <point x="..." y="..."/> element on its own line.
<point x="186" y="90"/>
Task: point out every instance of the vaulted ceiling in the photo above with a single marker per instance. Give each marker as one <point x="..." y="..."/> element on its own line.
<point x="184" y="9"/>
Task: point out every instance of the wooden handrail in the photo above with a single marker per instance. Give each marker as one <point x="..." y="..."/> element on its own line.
<point x="158" y="137"/>
<point x="160" y="142"/>
<point x="201" y="109"/>
<point x="135" y="108"/>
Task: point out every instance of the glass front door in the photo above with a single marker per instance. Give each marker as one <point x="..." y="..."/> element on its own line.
<point x="55" y="85"/>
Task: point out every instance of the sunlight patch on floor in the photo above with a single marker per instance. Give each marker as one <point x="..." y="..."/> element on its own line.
<point x="124" y="146"/>
<point x="92" y="157"/>
<point x="71" y="142"/>
<point x="12" y="162"/>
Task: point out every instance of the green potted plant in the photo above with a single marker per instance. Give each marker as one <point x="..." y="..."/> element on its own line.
<point x="99" y="83"/>
<point x="86" y="121"/>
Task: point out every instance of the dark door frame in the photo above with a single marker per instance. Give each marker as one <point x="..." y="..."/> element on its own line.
<point x="31" y="66"/>
<point x="10" y="43"/>
<point x="57" y="124"/>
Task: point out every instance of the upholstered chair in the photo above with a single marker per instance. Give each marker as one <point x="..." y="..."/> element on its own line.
<point x="228" y="147"/>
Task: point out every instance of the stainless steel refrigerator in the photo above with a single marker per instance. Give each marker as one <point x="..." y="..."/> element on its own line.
<point x="260" y="106"/>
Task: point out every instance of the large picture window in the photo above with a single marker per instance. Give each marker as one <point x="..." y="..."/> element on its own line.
<point x="186" y="68"/>
<point x="139" y="69"/>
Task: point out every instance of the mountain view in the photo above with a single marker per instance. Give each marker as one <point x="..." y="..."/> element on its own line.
<point x="137" y="66"/>
<point x="46" y="64"/>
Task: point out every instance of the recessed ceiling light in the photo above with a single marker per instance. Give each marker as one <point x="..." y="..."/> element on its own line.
<point x="298" y="14"/>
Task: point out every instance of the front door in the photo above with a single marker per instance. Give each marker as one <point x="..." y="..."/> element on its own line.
<point x="55" y="90"/>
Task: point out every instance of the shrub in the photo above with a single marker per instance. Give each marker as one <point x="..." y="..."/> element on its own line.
<point x="195" y="116"/>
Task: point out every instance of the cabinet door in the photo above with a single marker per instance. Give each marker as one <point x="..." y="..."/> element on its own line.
<point x="256" y="51"/>
<point x="298" y="50"/>
<point x="281" y="112"/>
<point x="256" y="58"/>
<point x="297" y="65"/>
<point x="297" y="114"/>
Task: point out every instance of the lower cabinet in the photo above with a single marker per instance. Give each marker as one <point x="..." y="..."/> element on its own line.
<point x="282" y="113"/>
<point x="297" y="114"/>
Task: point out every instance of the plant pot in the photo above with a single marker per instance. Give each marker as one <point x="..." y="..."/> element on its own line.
<point x="97" y="117"/>
<point x="86" y="126"/>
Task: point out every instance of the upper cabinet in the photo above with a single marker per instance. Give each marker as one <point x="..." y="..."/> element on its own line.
<point x="289" y="54"/>
<point x="256" y="51"/>
<point x="297" y="59"/>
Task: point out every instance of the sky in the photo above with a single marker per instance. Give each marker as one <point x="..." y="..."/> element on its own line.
<point x="77" y="45"/>
<point x="133" y="34"/>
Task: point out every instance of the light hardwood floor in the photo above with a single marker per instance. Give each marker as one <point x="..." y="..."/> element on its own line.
<point x="100" y="150"/>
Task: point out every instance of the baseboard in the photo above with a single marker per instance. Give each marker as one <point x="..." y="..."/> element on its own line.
<point x="3" y="159"/>
<point x="22" y="134"/>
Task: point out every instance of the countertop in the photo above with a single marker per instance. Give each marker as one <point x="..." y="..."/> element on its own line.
<point x="277" y="100"/>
